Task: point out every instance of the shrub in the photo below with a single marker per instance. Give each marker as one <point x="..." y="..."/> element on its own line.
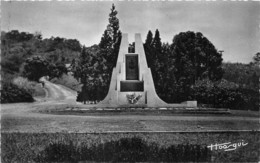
<point x="11" y="93"/>
<point x="251" y="97"/>
<point x="224" y="94"/>
<point x="32" y="87"/>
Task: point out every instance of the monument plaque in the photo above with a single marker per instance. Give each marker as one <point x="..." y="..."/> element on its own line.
<point x="132" y="67"/>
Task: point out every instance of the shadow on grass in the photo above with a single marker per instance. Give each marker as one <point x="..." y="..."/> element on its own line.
<point x="124" y="150"/>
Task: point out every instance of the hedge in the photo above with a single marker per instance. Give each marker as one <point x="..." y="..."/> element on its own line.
<point x="224" y="94"/>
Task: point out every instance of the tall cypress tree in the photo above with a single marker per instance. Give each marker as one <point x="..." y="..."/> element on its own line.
<point x="109" y="47"/>
<point x="81" y="72"/>
<point x="113" y="26"/>
<point x="159" y="59"/>
<point x="157" y="44"/>
<point x="111" y="39"/>
<point x="149" y="39"/>
<point x="149" y="51"/>
<point x="106" y="41"/>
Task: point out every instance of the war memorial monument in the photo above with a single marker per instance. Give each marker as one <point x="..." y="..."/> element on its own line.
<point x="132" y="83"/>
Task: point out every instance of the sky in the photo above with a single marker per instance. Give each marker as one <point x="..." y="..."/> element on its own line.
<point x="233" y="27"/>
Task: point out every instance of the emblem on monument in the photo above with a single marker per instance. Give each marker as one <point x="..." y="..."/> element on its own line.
<point x="133" y="98"/>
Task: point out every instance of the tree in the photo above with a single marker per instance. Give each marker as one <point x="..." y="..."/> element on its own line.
<point x="57" y="70"/>
<point x="248" y="74"/>
<point x="156" y="43"/>
<point x="256" y="58"/>
<point x="113" y="26"/>
<point x="176" y="67"/>
<point x="196" y="57"/>
<point x="149" y="49"/>
<point x="111" y="39"/>
<point x="149" y="38"/>
<point x="35" y="68"/>
<point x="153" y="50"/>
<point x="157" y="56"/>
<point x="12" y="63"/>
<point x="16" y="36"/>
<point x="73" y="44"/>
<point x="91" y="70"/>
<point x="160" y="61"/>
<point x="95" y="65"/>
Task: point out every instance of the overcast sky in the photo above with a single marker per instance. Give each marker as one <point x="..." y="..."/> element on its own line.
<point x="230" y="26"/>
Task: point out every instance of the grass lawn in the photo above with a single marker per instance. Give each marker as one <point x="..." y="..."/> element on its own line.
<point x="26" y="147"/>
<point x="97" y="121"/>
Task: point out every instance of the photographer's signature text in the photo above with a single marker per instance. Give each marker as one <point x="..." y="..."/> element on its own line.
<point x="227" y="146"/>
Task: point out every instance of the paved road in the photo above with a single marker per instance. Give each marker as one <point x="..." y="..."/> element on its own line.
<point x="24" y="117"/>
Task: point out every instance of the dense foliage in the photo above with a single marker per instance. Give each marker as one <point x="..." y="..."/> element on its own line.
<point x="239" y="88"/>
<point x="191" y="69"/>
<point x="24" y="45"/>
<point x="245" y="75"/>
<point x="35" y="68"/>
<point x="177" y="66"/>
<point x="218" y="94"/>
<point x="92" y="71"/>
<point x="95" y="65"/>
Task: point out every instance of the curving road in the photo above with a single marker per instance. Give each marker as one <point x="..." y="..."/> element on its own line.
<point x="25" y="117"/>
<point x="56" y="93"/>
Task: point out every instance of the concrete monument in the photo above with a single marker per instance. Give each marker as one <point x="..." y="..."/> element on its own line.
<point x="131" y="83"/>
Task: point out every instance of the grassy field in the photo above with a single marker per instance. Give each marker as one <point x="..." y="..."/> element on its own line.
<point x="28" y="147"/>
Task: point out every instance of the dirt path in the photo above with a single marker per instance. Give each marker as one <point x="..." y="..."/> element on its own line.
<point x="23" y="117"/>
<point x="55" y="93"/>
